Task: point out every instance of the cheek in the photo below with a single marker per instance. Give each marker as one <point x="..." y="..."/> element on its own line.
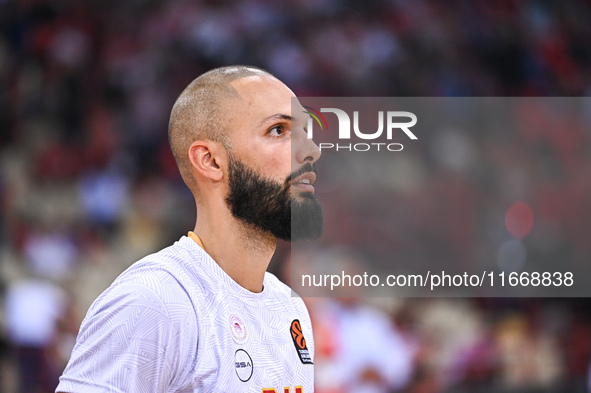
<point x="284" y="162"/>
<point x="272" y="161"/>
<point x="278" y="165"/>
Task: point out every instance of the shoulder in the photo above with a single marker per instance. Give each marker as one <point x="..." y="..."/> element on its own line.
<point x="148" y="321"/>
<point x="167" y="274"/>
<point x="156" y="288"/>
<point x="149" y="297"/>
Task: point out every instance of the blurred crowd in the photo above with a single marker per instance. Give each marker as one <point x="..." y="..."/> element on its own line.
<point x="88" y="184"/>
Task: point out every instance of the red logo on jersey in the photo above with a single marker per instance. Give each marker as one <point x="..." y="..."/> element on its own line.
<point x="238" y="329"/>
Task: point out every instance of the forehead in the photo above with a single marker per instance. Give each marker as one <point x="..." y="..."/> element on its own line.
<point x="262" y="96"/>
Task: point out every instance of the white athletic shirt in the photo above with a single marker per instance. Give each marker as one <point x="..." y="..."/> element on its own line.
<point x="176" y="322"/>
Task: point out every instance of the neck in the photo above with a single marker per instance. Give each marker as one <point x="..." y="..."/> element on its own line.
<point x="241" y="251"/>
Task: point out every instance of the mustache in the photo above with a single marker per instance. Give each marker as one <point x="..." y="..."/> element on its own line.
<point x="307" y="167"/>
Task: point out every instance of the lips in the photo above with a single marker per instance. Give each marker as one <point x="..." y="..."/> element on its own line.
<point x="304" y="182"/>
<point x="307" y="178"/>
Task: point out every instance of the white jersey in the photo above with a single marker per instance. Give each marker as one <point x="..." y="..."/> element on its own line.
<point x="176" y="322"/>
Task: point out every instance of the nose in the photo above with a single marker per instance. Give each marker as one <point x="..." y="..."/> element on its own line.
<point x="304" y="148"/>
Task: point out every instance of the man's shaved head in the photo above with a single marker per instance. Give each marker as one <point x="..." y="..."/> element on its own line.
<point x="201" y="113"/>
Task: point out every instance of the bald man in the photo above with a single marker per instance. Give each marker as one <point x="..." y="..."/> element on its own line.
<point x="203" y="315"/>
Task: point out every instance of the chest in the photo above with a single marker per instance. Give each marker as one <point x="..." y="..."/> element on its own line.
<point x="258" y="347"/>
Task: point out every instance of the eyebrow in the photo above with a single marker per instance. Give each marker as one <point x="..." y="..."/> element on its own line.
<point x="277" y="116"/>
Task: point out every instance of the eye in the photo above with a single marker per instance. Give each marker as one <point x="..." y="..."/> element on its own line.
<point x="277" y="131"/>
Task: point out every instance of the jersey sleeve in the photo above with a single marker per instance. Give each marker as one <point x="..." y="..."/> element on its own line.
<point x="135" y="338"/>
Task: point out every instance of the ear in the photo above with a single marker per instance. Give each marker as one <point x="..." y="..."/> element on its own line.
<point x="206" y="157"/>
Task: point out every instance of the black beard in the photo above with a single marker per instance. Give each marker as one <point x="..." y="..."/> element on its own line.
<point x="267" y="205"/>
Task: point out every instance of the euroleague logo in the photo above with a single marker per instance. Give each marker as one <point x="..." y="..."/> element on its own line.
<point x="300" y="342"/>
